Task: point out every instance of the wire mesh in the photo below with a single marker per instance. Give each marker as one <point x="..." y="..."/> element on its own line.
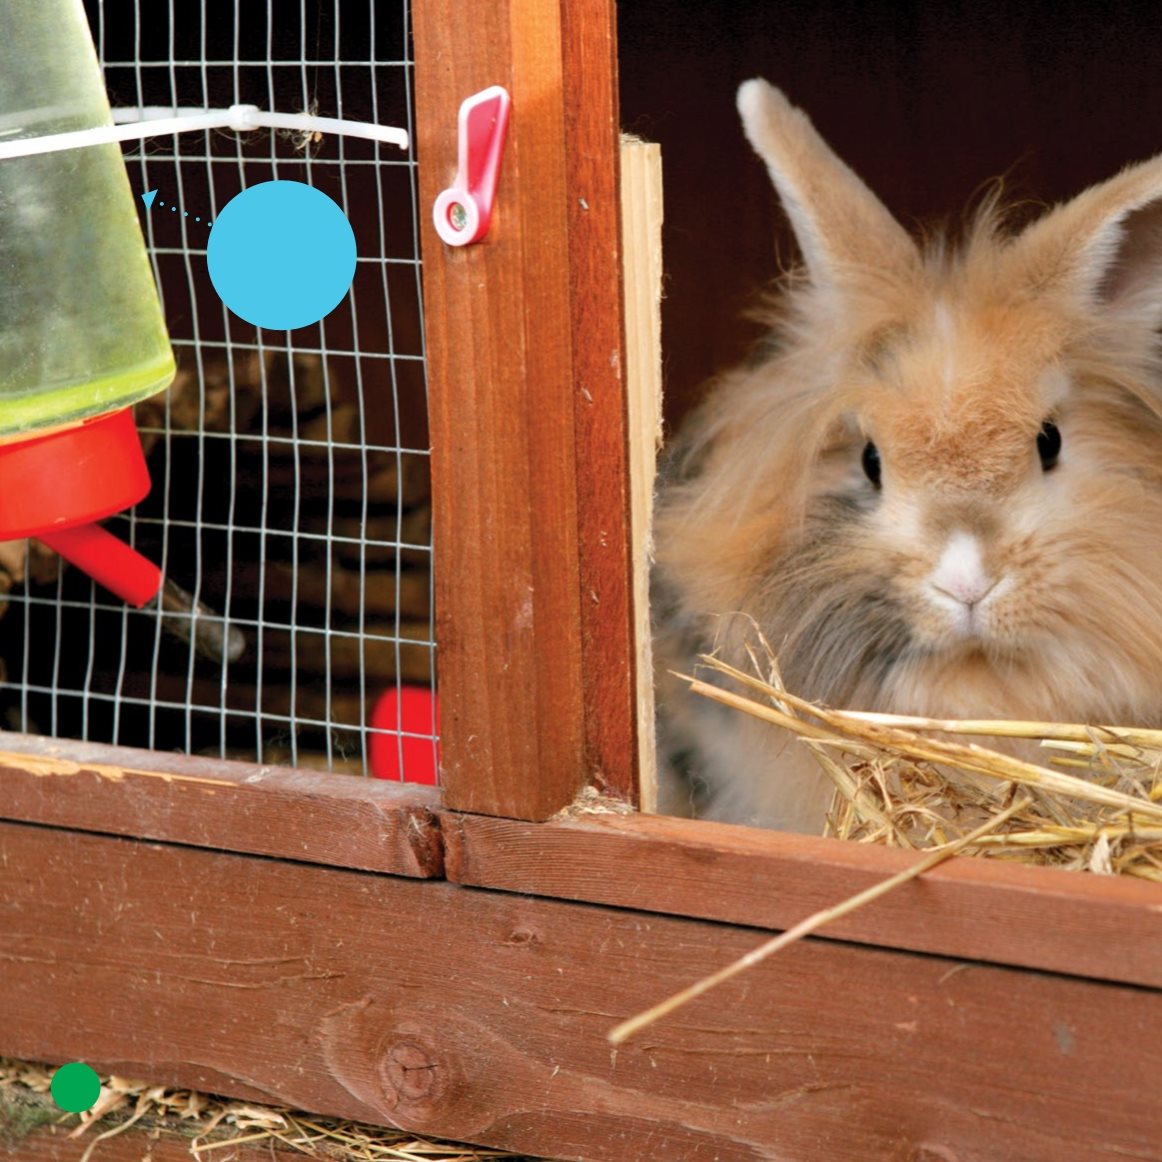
<point x="290" y="469"/>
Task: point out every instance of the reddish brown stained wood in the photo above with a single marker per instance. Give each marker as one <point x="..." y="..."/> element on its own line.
<point x="528" y="414"/>
<point x="482" y="1016"/>
<point x="314" y="816"/>
<point x="500" y="374"/>
<point x="592" y="154"/>
<point x="1100" y="926"/>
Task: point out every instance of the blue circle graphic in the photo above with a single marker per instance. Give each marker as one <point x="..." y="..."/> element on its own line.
<point x="281" y="255"/>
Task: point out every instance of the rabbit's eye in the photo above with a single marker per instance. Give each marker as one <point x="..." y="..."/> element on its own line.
<point x="1048" y="444"/>
<point x="871" y="463"/>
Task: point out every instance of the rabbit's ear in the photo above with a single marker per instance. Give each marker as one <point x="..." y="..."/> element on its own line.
<point x="837" y="220"/>
<point x="1105" y="246"/>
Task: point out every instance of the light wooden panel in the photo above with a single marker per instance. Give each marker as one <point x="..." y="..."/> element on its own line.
<point x="641" y="232"/>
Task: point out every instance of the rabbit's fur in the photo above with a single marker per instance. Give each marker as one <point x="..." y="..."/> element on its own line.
<point x="979" y="572"/>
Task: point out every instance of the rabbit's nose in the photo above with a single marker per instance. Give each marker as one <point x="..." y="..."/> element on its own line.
<point x="960" y="573"/>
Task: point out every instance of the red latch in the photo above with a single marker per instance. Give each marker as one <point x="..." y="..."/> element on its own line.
<point x="462" y="213"/>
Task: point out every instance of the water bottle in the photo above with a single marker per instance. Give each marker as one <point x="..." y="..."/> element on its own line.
<point x="82" y="336"/>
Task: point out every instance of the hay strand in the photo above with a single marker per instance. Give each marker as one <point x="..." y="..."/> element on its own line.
<point x="812" y="923"/>
<point x="897" y="784"/>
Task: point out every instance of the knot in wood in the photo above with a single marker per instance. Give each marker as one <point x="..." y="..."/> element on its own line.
<point x="412" y="1071"/>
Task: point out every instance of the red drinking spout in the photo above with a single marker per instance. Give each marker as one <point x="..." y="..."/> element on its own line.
<point x="56" y="487"/>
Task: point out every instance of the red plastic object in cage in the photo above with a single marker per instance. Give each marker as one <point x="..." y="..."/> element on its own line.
<point x="56" y="488"/>
<point x="402" y="747"/>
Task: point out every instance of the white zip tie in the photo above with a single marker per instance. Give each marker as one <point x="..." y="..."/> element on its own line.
<point x="157" y="122"/>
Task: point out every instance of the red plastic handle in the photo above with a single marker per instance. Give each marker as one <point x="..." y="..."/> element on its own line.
<point x="462" y="213"/>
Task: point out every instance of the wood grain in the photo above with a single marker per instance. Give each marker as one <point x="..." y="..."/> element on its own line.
<point x="500" y="375"/>
<point x="1045" y="918"/>
<point x="305" y="815"/>
<point x="528" y="414"/>
<point x="482" y="1016"/>
<point x="600" y="359"/>
<point x="641" y="224"/>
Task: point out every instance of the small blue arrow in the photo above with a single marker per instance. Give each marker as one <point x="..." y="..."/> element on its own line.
<point x="148" y="197"/>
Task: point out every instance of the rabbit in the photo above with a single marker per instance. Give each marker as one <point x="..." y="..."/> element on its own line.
<point x="939" y="492"/>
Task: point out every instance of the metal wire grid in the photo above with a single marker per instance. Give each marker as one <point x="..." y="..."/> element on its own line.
<point x="278" y="498"/>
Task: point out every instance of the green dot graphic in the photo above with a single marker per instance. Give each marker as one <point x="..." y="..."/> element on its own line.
<point x="76" y="1087"/>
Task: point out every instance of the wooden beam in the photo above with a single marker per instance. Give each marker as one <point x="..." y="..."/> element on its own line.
<point x="482" y="1016"/>
<point x="1045" y="918"/>
<point x="984" y="909"/>
<point x="319" y="817"/>
<point x="499" y="349"/>
<point x="530" y="509"/>
<point x="1031" y="917"/>
<point x="601" y="359"/>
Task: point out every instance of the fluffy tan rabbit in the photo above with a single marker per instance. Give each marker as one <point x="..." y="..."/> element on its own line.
<point x="941" y="493"/>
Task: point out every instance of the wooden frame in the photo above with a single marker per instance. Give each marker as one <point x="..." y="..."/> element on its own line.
<point x="532" y="549"/>
<point x="451" y="961"/>
<point x="982" y="1013"/>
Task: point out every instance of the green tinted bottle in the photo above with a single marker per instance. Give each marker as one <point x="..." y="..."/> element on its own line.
<point x="81" y="329"/>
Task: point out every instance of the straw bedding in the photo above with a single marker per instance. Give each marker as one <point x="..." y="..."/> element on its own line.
<point x="210" y="1125"/>
<point x="1094" y="802"/>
